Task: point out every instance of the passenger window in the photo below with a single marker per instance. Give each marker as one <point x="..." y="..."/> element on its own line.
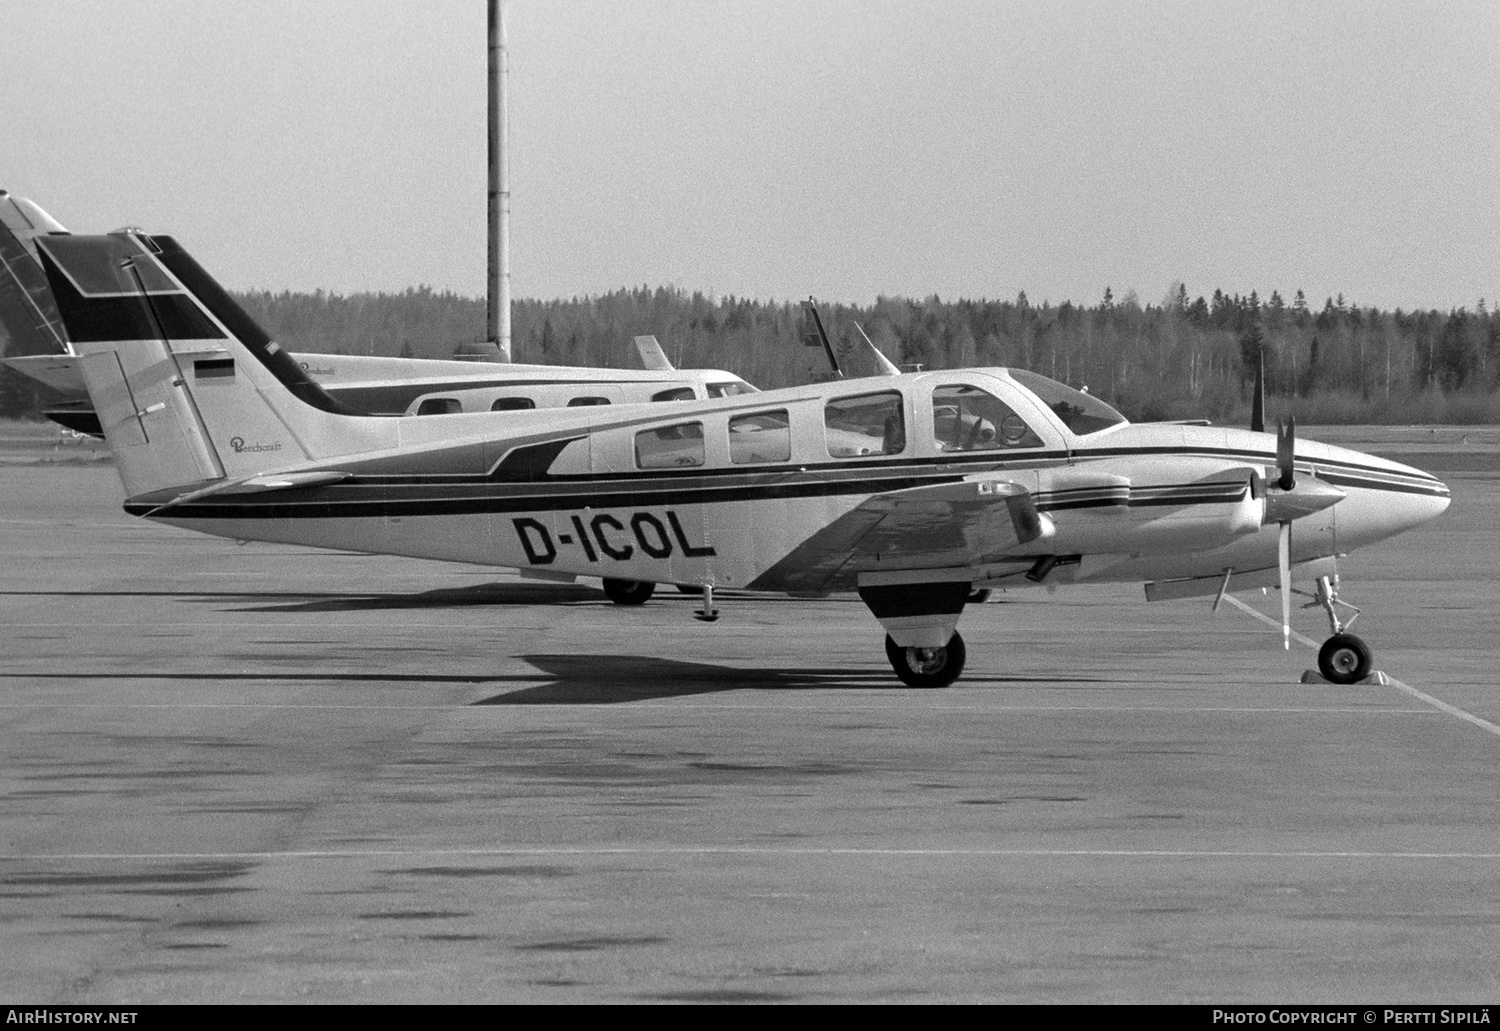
<point x="440" y="406"/>
<point x="512" y="404"/>
<point x="762" y="437"/>
<point x="965" y="418"/>
<point x="870" y="424"/>
<point x="670" y="447"/>
<point x="675" y="394"/>
<point x="585" y="402"/>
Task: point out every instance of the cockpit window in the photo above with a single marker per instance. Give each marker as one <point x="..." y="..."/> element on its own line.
<point x="965" y="418"/>
<point x="1080" y="412"/>
<point x="734" y="389"/>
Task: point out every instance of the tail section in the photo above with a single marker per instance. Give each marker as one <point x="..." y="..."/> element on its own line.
<point x="29" y="322"/>
<point x="190" y="392"/>
<point x="652" y="356"/>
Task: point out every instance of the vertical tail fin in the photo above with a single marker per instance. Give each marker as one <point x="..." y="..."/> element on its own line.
<point x="652" y="356"/>
<point x="29" y="322"/>
<point x="189" y="390"/>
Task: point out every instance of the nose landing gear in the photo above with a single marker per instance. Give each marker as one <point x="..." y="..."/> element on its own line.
<point x="1344" y="658"/>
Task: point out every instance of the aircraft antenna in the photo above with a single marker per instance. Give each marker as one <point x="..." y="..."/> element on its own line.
<point x="497" y="327"/>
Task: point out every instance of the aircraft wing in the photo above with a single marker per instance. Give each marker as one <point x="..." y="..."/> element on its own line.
<point x="966" y="523"/>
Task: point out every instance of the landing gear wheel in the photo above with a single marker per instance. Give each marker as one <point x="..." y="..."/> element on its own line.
<point x="927" y="667"/>
<point x="628" y="592"/>
<point x="1344" y="659"/>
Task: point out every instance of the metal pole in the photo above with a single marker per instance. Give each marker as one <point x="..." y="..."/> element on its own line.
<point x="497" y="328"/>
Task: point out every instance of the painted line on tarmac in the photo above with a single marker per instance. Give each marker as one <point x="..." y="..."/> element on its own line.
<point x="1301" y="638"/>
<point x="1452" y="710"/>
<point x="712" y="850"/>
<point x="624" y="707"/>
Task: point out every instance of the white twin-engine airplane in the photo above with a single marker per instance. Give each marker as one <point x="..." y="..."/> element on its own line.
<point x="913" y="490"/>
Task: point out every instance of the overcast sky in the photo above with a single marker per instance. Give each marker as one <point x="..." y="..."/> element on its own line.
<point x="838" y="148"/>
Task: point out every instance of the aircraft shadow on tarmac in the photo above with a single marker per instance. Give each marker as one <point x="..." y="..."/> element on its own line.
<point x="444" y="597"/>
<point x="610" y="679"/>
<point x="574" y="679"/>
<point x="615" y="679"/>
<point x="477" y="594"/>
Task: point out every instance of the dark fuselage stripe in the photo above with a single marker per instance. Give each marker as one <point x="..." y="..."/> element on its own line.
<point x="328" y="505"/>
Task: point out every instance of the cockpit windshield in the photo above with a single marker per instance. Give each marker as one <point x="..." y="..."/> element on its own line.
<point x="733" y="389"/>
<point x="1082" y="413"/>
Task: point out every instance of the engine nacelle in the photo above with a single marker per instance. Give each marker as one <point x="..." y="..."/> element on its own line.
<point x="1169" y="507"/>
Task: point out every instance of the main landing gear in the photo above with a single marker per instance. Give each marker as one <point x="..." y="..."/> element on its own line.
<point x="628" y="592"/>
<point x="927" y="667"/>
<point x="1344" y="658"/>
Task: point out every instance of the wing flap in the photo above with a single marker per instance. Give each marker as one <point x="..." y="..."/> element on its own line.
<point x="960" y="524"/>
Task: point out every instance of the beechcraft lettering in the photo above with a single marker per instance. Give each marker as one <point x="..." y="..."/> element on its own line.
<point x="913" y="491"/>
<point x="238" y="445"/>
<point x="602" y="537"/>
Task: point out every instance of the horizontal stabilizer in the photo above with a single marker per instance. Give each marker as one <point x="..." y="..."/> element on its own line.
<point x="61" y="372"/>
<point x="285" y="481"/>
<point x="248" y="485"/>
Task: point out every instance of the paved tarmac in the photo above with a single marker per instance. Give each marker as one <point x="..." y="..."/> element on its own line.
<point x="264" y="774"/>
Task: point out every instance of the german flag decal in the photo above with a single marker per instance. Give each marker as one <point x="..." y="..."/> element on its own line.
<point x="213" y="368"/>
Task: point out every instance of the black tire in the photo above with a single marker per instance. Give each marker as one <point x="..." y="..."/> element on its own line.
<point x="628" y="592"/>
<point x="979" y="595"/>
<point x="1344" y="659"/>
<point x="927" y="667"/>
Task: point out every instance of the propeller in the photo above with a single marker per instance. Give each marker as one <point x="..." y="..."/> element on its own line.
<point x="1287" y="499"/>
<point x="1286" y="449"/>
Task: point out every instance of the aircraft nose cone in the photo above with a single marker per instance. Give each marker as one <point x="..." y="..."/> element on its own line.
<point x="1388" y="499"/>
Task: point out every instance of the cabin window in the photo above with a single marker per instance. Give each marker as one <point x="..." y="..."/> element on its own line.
<point x="670" y="447"/>
<point x="675" y="394"/>
<point x="587" y="402"/>
<point x="760" y="437"/>
<point x="965" y="418"/>
<point x="512" y="404"/>
<point x="440" y="406"/>
<point x="868" y="424"/>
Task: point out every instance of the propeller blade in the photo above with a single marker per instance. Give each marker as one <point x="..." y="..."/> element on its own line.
<point x="1284" y="564"/>
<point x="1286" y="447"/>
<point x="1258" y="401"/>
<point x="823" y="338"/>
